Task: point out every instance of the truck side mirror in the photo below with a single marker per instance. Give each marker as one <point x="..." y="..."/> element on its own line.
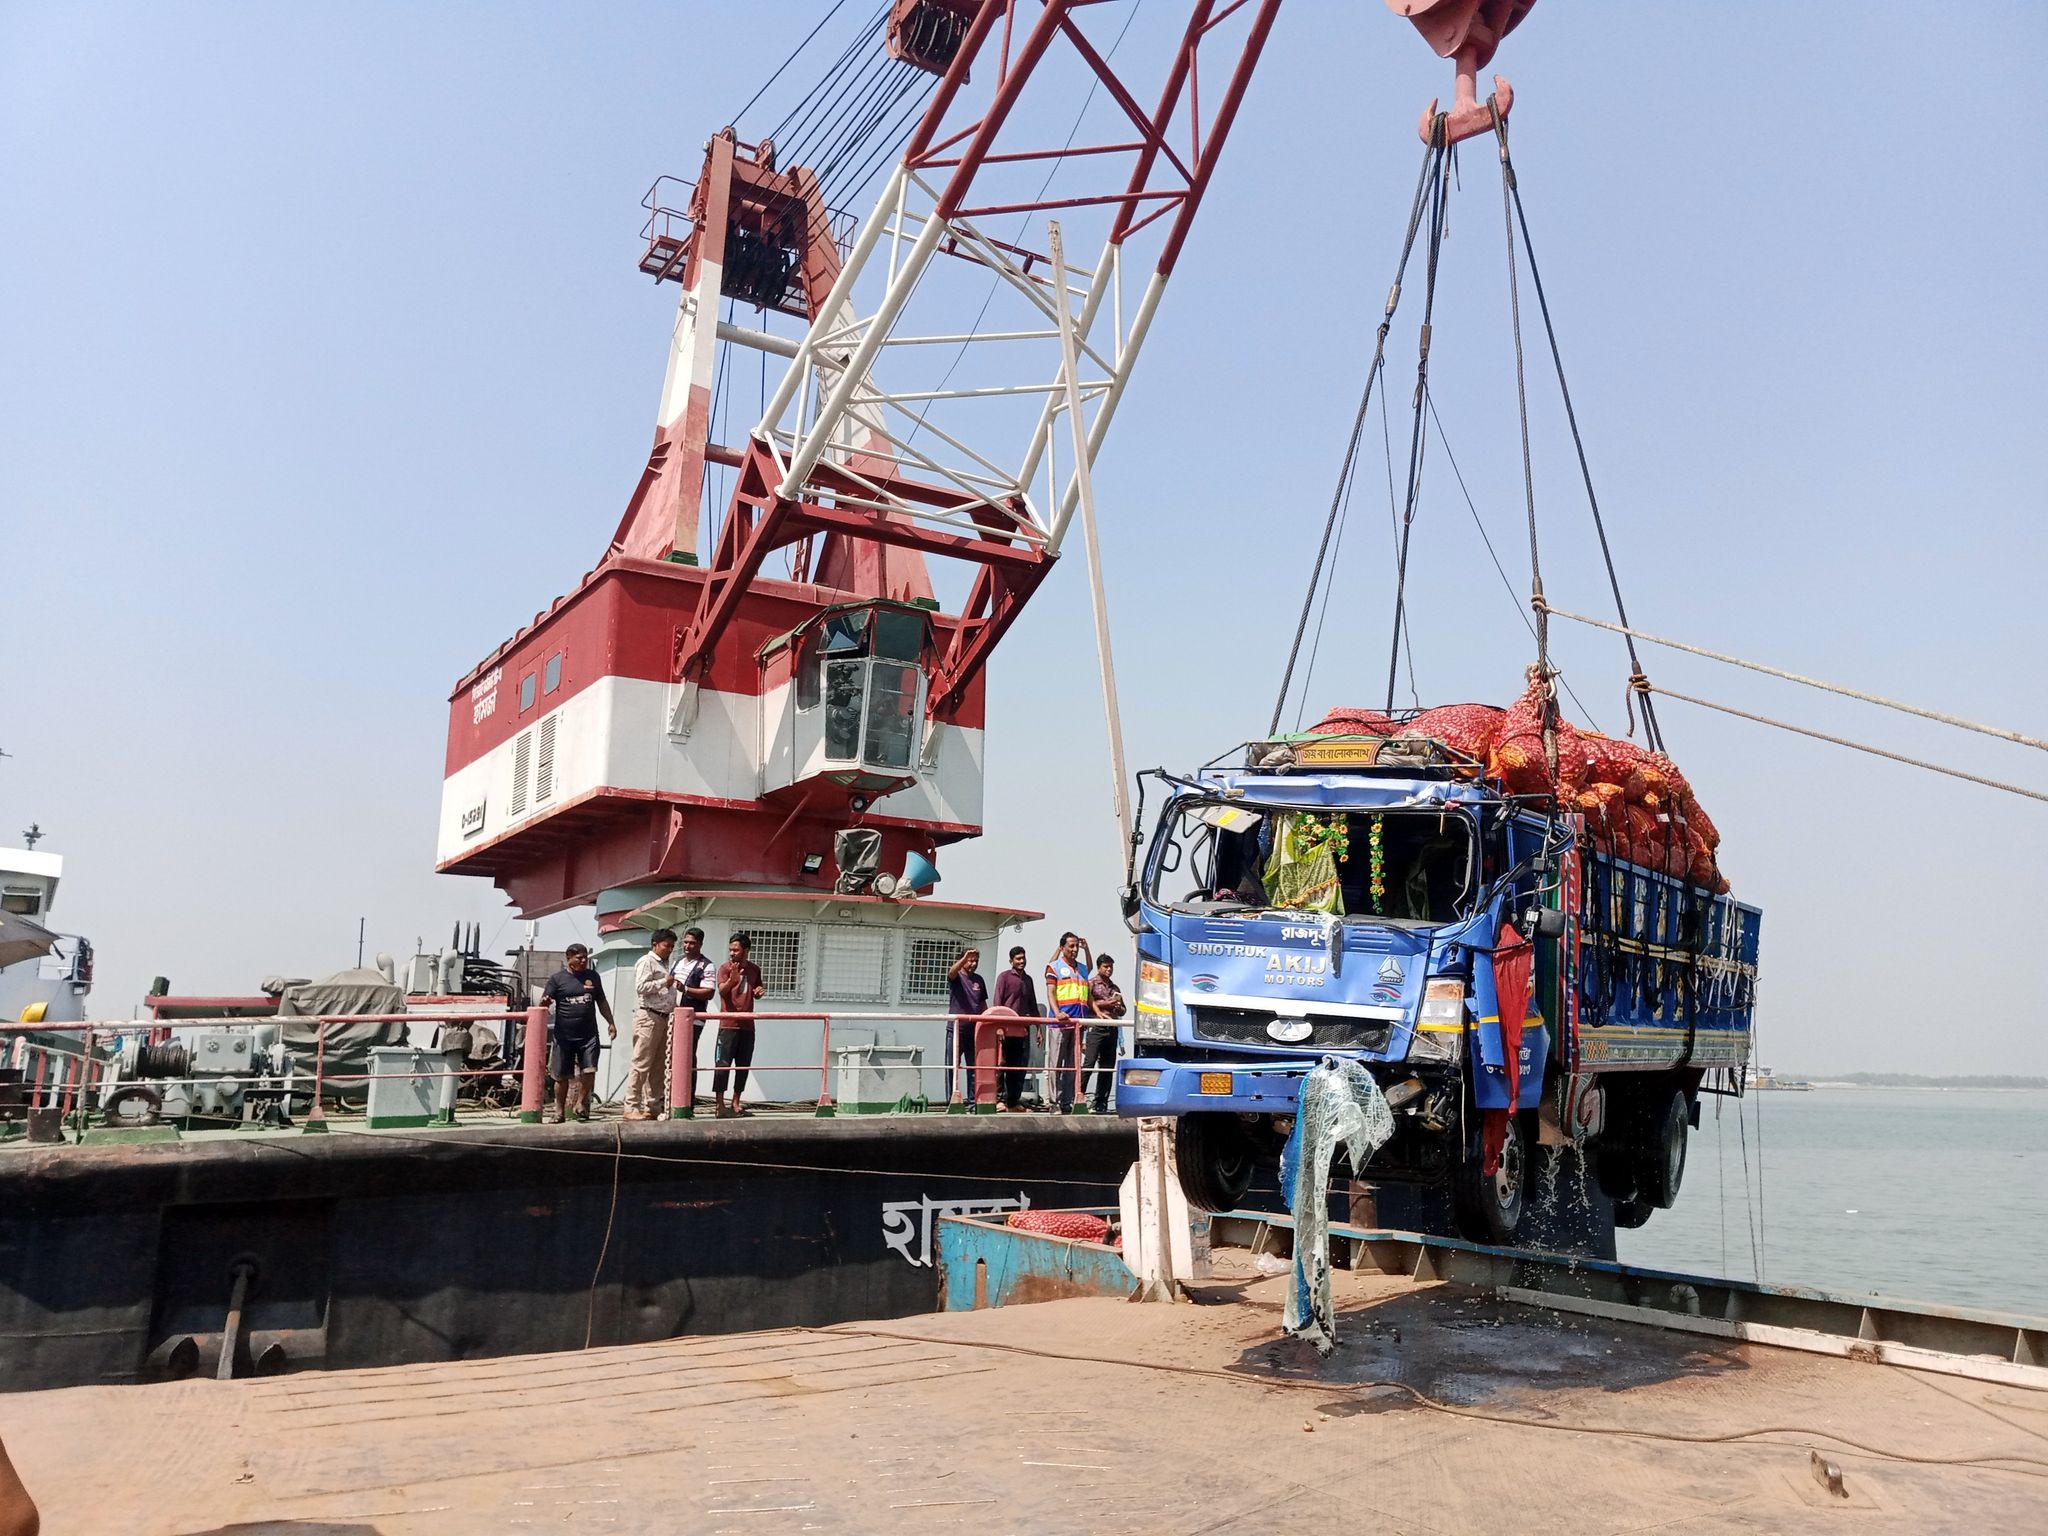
<point x="1544" y="922"/>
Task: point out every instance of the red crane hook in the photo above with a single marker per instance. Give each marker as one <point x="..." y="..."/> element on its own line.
<point x="1468" y="31"/>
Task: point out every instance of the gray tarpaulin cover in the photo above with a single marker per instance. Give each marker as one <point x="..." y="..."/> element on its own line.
<point x="348" y="1045"/>
<point x="1340" y="1104"/>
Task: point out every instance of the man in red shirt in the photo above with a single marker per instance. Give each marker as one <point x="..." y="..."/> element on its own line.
<point x="739" y="988"/>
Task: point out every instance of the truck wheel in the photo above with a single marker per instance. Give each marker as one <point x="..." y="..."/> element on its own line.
<point x="1660" y="1153"/>
<point x="1631" y="1213"/>
<point x="1614" y="1166"/>
<point x="1489" y="1206"/>
<point x="1214" y="1157"/>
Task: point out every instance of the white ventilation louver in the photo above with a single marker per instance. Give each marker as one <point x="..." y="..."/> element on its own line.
<point x="544" y="770"/>
<point x="522" y="759"/>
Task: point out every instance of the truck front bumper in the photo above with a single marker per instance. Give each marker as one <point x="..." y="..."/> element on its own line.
<point x="1148" y="1086"/>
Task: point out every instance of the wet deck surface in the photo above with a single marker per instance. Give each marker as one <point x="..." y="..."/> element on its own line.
<point x="1071" y="1416"/>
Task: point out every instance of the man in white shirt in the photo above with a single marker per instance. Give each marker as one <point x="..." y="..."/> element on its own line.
<point x="654" y="999"/>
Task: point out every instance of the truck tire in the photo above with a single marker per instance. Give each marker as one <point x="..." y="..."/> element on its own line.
<point x="1214" y="1157"/>
<point x="1660" y="1149"/>
<point x="1630" y="1214"/>
<point x="1614" y="1166"/>
<point x="1641" y="1156"/>
<point x="1489" y="1207"/>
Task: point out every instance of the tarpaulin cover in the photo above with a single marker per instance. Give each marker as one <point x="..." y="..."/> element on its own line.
<point x="1340" y="1104"/>
<point x="1637" y="803"/>
<point x="348" y="1045"/>
<point x="21" y="939"/>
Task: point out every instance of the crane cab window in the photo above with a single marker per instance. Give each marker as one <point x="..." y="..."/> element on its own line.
<point x="865" y="668"/>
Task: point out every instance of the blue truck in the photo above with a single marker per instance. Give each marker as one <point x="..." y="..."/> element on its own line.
<point x="1350" y="898"/>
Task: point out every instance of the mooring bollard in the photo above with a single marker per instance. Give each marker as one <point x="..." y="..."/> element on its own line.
<point x="682" y="1064"/>
<point x="532" y="1065"/>
<point x="991" y="1029"/>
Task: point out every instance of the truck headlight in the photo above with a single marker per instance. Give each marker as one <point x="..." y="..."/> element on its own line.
<point x="1440" y="1028"/>
<point x="1443" y="1001"/>
<point x="1154" y="1018"/>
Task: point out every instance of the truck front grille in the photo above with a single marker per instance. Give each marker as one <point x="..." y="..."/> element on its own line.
<point x="1329" y="1032"/>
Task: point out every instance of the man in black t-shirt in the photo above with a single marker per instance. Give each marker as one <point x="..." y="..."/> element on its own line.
<point x="578" y="998"/>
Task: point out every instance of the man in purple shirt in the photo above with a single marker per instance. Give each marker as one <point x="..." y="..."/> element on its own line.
<point x="967" y="997"/>
<point x="1016" y="991"/>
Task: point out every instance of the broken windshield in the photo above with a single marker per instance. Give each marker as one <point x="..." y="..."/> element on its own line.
<point x="1398" y="866"/>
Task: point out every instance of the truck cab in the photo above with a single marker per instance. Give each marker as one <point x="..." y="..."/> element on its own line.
<point x="1378" y="900"/>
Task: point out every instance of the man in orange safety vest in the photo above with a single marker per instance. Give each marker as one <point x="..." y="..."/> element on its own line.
<point x="1066" y="993"/>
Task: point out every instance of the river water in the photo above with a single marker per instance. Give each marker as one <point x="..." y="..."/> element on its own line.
<point x="1914" y="1194"/>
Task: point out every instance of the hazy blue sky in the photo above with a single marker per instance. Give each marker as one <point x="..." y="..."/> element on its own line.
<point x="324" y="364"/>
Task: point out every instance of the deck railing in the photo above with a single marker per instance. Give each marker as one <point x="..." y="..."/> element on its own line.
<point x="73" y="1079"/>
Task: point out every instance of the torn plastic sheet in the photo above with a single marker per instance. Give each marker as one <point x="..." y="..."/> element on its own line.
<point x="1340" y="1105"/>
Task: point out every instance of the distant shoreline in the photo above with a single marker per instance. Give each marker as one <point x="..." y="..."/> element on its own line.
<point x="1993" y="1084"/>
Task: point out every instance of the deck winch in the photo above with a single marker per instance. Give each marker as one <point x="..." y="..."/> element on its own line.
<point x="230" y="1075"/>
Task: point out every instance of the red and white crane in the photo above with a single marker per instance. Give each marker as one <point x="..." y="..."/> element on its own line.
<point x="687" y="717"/>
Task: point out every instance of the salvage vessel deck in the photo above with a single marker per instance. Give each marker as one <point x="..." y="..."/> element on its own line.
<point x="1445" y="1410"/>
<point x="118" y="1262"/>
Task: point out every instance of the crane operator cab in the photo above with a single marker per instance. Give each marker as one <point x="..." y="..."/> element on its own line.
<point x="843" y="698"/>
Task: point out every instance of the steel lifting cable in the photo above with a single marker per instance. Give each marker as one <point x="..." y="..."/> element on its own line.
<point x="1642" y="685"/>
<point x="1811" y="682"/>
<point x="1571" y="416"/>
<point x="825" y="90"/>
<point x="1763" y="1228"/>
<point x="838" y="107"/>
<point x="837" y="5"/>
<point x="1543" y="670"/>
<point x="1439" y="195"/>
<point x="848" y="130"/>
<point x="1431" y="156"/>
<point x="864" y="139"/>
<point x="886" y="145"/>
<point x="1315" y="645"/>
<point x="1500" y="570"/>
<point x="890" y="87"/>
